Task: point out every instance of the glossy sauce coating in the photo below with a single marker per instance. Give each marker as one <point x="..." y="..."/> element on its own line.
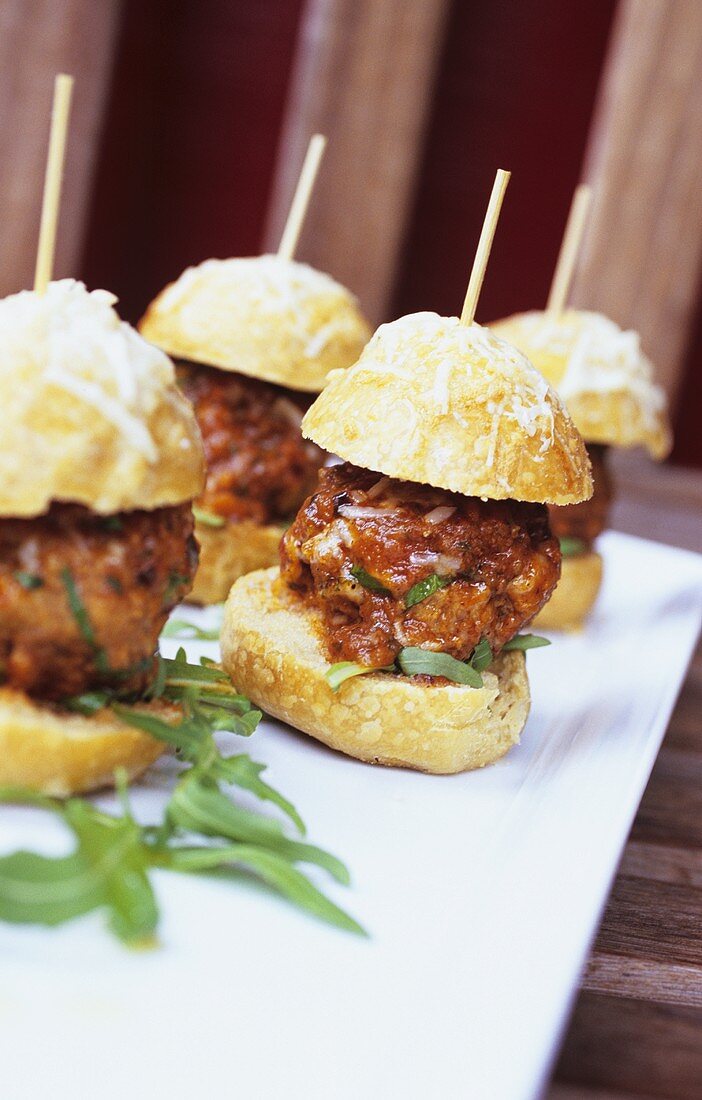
<point x="496" y="561"/>
<point x="587" y="520"/>
<point x="125" y="571"/>
<point x="258" y="465"/>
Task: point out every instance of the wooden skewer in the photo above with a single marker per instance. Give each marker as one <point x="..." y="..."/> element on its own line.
<point x="484" y="245"/>
<point x="570" y="246"/>
<point x="301" y="198"/>
<point x="63" y="86"/>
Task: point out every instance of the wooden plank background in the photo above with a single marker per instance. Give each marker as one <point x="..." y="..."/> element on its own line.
<point x="39" y="38"/>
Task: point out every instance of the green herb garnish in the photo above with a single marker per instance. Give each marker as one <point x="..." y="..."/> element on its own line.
<point x="175" y="581"/>
<point x="115" y="584"/>
<point x="203" y="830"/>
<point x="366" y="580"/>
<point x="482" y="656"/>
<point x="426" y="662"/>
<point x="83" y="622"/>
<point x="337" y="674"/>
<point x="208" y="519"/>
<point x="525" y="641"/>
<point x="180" y="628"/>
<point x="111" y="523"/>
<point x="571" y="547"/>
<point x="29" y="580"/>
<point x="423" y="589"/>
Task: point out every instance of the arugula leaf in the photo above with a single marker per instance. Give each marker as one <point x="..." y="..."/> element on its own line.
<point x="109" y="869"/>
<point x="246" y="773"/>
<point x="366" y="580"/>
<point x="571" y="547"/>
<point x="268" y="866"/>
<point x="525" y="641"/>
<point x="179" y="628"/>
<point x="425" y="588"/>
<point x="83" y="622"/>
<point x="208" y="519"/>
<point x="106" y="870"/>
<point x="199" y="806"/>
<point x="29" y="580"/>
<point x="337" y="674"/>
<point x="427" y="662"/>
<point x="482" y="656"/>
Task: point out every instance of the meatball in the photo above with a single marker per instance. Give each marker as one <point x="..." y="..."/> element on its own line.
<point x="258" y="465"/>
<point x="587" y="520"/>
<point x="393" y="564"/>
<point x="83" y="597"/>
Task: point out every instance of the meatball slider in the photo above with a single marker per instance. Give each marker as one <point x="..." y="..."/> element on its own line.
<point x="253" y="338"/>
<point x="408" y="574"/>
<point x="607" y="384"/>
<point x="100" y="458"/>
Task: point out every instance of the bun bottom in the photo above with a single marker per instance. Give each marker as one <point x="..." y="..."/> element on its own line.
<point x="229" y="552"/>
<point x="271" y="648"/>
<point x="59" y="753"/>
<point x="575" y="594"/>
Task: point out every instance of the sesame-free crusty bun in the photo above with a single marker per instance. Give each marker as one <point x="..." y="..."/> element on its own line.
<point x="272" y="651"/>
<point x="263" y="316"/>
<point x="58" y="753"/>
<point x="600" y="373"/>
<point x="449" y="405"/>
<point x="91" y="412"/>
<point x="228" y="552"/>
<point x="575" y="594"/>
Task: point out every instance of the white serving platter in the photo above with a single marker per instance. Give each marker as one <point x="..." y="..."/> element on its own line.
<point x="481" y="894"/>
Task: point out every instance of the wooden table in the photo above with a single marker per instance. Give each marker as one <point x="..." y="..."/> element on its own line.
<point x="636" y="1029"/>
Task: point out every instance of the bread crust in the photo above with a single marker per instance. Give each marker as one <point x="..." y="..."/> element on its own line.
<point x="271" y="648"/>
<point x="600" y="372"/>
<point x="91" y="412"/>
<point x="443" y="404"/>
<point x="575" y="594"/>
<point x="229" y="552"/>
<point x="262" y="316"/>
<point x="60" y="754"/>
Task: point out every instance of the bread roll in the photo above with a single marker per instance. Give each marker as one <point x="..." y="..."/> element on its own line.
<point x="272" y="650"/>
<point x="91" y="412"/>
<point x="262" y="316"/>
<point x="449" y="405"/>
<point x="230" y="551"/>
<point x="59" y="753"/>
<point x="575" y="594"/>
<point x="600" y="373"/>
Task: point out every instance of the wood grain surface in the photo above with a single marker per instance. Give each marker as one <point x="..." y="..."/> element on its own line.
<point x="643" y="254"/>
<point x="39" y="38"/>
<point x="373" y="113"/>
<point x="636" y="1030"/>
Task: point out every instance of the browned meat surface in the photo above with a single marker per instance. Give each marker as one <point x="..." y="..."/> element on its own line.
<point x="587" y="520"/>
<point x="83" y="598"/>
<point x="493" y="564"/>
<point x="258" y="465"/>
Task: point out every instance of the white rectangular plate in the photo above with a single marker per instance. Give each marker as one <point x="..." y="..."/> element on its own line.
<point x="481" y="893"/>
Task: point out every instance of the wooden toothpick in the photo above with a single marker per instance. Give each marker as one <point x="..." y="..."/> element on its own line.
<point x="570" y="246"/>
<point x="484" y="245"/>
<point x="301" y="198"/>
<point x="63" y="87"/>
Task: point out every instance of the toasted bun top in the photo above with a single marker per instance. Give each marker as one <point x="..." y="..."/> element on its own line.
<point x="601" y="374"/>
<point x="262" y="316"/>
<point x="437" y="402"/>
<point x="91" y="412"/>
